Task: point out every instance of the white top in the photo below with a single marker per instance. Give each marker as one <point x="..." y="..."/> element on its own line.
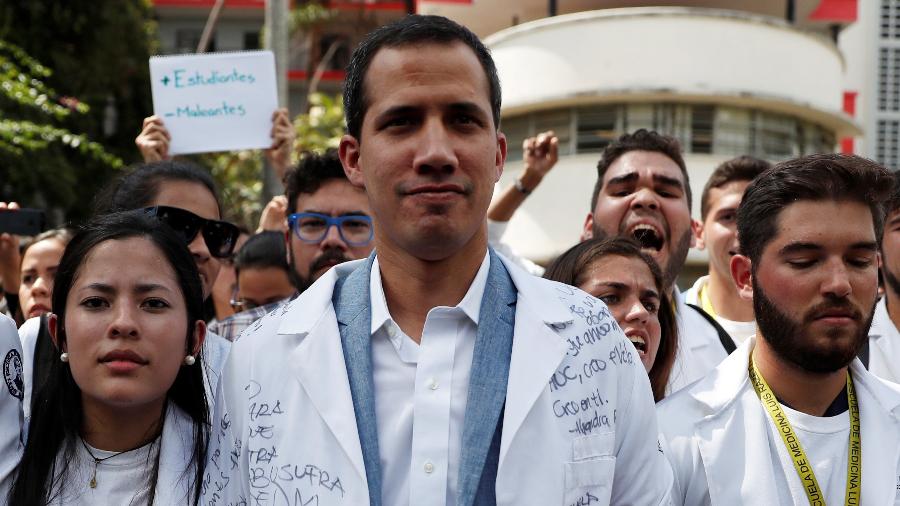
<point x="722" y="448"/>
<point x="420" y="395"/>
<point x="824" y="440"/>
<point x="11" y="393"/>
<point x="884" y="345"/>
<point x="122" y="480"/>
<point x="739" y="331"/>
<point x="285" y="429"/>
<point x="699" y="349"/>
<point x="215" y="354"/>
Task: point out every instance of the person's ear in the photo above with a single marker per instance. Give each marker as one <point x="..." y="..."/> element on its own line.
<point x="741" y="274"/>
<point x="587" y="232"/>
<point x="500" y="159"/>
<point x="349" y="151"/>
<point x="697" y="229"/>
<point x="53" y="326"/>
<point x="199" y="336"/>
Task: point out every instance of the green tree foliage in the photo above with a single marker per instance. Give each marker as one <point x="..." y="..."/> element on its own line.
<point x="322" y="127"/>
<point x="239" y="173"/>
<point x="98" y="51"/>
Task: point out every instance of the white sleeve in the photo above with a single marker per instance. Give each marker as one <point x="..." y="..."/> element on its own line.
<point x="642" y="473"/>
<point x="11" y="394"/>
<point x="496" y="229"/>
<point x="226" y="472"/>
<point x="28" y="335"/>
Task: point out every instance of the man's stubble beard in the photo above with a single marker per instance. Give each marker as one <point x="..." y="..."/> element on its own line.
<point x="790" y="338"/>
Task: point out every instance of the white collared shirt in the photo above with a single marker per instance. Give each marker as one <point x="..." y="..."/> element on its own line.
<point x="420" y="395"/>
<point x="884" y="345"/>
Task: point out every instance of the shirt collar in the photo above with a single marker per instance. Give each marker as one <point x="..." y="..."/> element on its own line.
<point x="470" y="303"/>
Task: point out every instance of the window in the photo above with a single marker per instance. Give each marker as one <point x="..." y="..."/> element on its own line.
<point x="187" y="40"/>
<point x="888" y="143"/>
<point x="702" y="119"/>
<point x="597" y="126"/>
<point x="251" y="41"/>
<point x="516" y="130"/>
<point x="700" y="128"/>
<point x="561" y="124"/>
<point x="732" y="132"/>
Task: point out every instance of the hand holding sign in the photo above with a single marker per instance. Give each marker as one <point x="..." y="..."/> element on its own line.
<point x="210" y="102"/>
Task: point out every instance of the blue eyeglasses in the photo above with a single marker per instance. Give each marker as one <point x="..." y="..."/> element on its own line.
<point x="355" y="230"/>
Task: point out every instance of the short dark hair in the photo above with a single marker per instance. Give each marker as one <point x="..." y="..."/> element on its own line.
<point x="893" y="202"/>
<point x="262" y="250"/>
<point x="640" y="140"/>
<point x="816" y="177"/>
<point x="308" y="176"/>
<point x="742" y="168"/>
<point x="139" y="187"/>
<point x="571" y="266"/>
<point x="408" y="31"/>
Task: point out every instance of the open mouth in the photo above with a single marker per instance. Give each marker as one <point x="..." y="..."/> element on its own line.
<point x="647" y="237"/>
<point x="639" y="344"/>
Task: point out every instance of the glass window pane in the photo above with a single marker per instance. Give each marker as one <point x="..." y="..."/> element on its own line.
<point x="731" y="131"/>
<point x="516" y="130"/>
<point x="596" y="128"/>
<point x="702" y="119"/>
<point x="558" y="121"/>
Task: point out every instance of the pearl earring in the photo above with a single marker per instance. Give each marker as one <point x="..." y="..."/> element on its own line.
<point x="64" y="357"/>
<point x="189" y="360"/>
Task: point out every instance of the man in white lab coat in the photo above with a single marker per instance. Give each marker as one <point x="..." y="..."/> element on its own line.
<point x="883" y="355"/>
<point x="716" y="292"/>
<point x="792" y="417"/>
<point x="643" y="192"/>
<point x="434" y="372"/>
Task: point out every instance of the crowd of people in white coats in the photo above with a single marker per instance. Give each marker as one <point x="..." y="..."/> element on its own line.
<point x="376" y="342"/>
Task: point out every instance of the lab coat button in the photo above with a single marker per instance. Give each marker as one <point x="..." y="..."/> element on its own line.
<point x="429" y="467"/>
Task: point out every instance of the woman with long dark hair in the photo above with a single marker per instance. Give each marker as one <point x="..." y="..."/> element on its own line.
<point x="629" y="281"/>
<point x="183" y="196"/>
<point x="122" y="417"/>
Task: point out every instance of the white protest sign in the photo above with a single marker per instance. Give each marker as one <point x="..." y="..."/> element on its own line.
<point x="215" y="101"/>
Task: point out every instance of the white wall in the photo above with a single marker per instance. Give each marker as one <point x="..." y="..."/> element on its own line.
<point x="676" y="51"/>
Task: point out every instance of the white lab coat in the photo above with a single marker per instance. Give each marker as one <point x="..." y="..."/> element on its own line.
<point x="884" y="345"/>
<point x="11" y="393"/>
<point x="717" y="438"/>
<point x="285" y="428"/>
<point x="699" y="349"/>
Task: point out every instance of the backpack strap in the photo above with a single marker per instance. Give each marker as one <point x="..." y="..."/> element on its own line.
<point x="724" y="337"/>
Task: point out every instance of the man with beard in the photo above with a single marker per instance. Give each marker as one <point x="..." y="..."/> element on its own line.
<point x="779" y="421"/>
<point x="329" y="222"/>
<point x="643" y="192"/>
<point x="883" y="354"/>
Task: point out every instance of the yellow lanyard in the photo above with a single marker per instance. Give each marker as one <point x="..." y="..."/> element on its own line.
<point x="703" y="294"/>
<point x="814" y="493"/>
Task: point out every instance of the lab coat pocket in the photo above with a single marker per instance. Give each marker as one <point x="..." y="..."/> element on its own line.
<point x="589" y="476"/>
<point x="589" y="482"/>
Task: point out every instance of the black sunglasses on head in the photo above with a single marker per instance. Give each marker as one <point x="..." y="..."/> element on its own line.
<point x="220" y="236"/>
